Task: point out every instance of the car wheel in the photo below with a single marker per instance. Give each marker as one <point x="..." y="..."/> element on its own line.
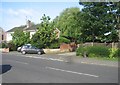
<point x="23" y="52"/>
<point x="39" y="53"/>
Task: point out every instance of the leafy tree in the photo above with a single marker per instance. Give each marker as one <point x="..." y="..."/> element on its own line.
<point x="45" y="34"/>
<point x="68" y="24"/>
<point x="19" y="37"/>
<point x="99" y="18"/>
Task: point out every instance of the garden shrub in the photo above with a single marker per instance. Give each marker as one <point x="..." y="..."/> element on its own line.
<point x="117" y="53"/>
<point x="54" y="45"/>
<point x="114" y="52"/>
<point x="64" y="40"/>
<point x="3" y="45"/>
<point x="80" y="51"/>
<point x="12" y="46"/>
<point x="98" y="51"/>
<point x="93" y="51"/>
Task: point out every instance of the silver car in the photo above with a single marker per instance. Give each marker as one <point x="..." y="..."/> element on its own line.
<point x="30" y="49"/>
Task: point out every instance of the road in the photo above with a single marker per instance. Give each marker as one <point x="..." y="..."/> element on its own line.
<point x="33" y="68"/>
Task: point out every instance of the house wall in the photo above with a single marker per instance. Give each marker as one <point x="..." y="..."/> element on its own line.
<point x="9" y="36"/>
<point x="32" y="33"/>
<point x="2" y="35"/>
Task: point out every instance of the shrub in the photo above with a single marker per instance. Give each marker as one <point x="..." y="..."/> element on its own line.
<point x="64" y="40"/>
<point x="12" y="47"/>
<point x="118" y="52"/>
<point x="54" y="45"/>
<point x="80" y="51"/>
<point x="114" y="52"/>
<point x="3" y="45"/>
<point x="98" y="51"/>
<point x="93" y="51"/>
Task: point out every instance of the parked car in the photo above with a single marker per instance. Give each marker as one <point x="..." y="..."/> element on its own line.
<point x="30" y="49"/>
<point x="19" y="48"/>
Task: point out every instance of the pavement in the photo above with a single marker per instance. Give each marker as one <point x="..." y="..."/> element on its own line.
<point x="71" y="57"/>
<point x="54" y="68"/>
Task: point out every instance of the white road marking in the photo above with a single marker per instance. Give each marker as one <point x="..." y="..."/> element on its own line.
<point x="99" y="64"/>
<point x="66" y="54"/>
<point x="21" y="62"/>
<point x="71" y="72"/>
<point x="46" y="58"/>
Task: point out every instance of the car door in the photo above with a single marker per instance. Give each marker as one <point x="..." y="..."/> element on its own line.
<point x="33" y="49"/>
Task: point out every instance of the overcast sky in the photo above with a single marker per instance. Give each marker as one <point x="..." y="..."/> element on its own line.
<point x="14" y="14"/>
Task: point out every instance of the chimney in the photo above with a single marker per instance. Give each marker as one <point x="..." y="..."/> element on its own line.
<point x="28" y="23"/>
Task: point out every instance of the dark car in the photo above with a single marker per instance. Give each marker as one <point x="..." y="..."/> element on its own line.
<point x="30" y="49"/>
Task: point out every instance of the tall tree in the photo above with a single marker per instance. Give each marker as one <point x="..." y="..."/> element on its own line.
<point x="99" y="18"/>
<point x="68" y="24"/>
<point x="45" y="35"/>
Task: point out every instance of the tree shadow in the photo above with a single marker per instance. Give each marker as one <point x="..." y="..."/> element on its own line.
<point x="5" y="68"/>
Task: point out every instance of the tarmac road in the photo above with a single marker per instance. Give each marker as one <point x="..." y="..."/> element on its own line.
<point x="32" y="68"/>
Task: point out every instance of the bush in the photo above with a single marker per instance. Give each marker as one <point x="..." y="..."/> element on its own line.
<point x="98" y="51"/>
<point x="117" y="53"/>
<point x="55" y="44"/>
<point x="114" y="52"/>
<point x="12" y="47"/>
<point x="64" y="40"/>
<point x="3" y="45"/>
<point x="93" y="51"/>
<point x="80" y="51"/>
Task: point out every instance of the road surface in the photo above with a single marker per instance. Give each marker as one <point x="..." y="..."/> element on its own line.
<point x="33" y="68"/>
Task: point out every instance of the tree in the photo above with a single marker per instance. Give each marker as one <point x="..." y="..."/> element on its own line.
<point x="45" y="34"/>
<point x="68" y="24"/>
<point x="20" y="38"/>
<point x="99" y="18"/>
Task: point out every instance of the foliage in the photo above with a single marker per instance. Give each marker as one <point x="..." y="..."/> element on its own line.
<point x="68" y="24"/>
<point x="99" y="18"/>
<point x="94" y="51"/>
<point x="99" y="51"/>
<point x="45" y="34"/>
<point x="55" y="44"/>
<point x="114" y="52"/>
<point x="3" y="45"/>
<point x="12" y="46"/>
<point x="19" y="37"/>
<point x="80" y="51"/>
<point x="63" y="40"/>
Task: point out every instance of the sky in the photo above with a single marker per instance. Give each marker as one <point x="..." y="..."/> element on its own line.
<point x="15" y="13"/>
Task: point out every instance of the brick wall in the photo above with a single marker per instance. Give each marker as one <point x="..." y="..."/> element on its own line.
<point x="68" y="47"/>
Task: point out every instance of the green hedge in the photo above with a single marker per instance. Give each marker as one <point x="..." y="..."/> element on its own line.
<point x="12" y="47"/>
<point x="93" y="51"/>
<point x="3" y="45"/>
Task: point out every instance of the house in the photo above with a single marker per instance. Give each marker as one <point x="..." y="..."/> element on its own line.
<point x="29" y="27"/>
<point x="2" y="35"/>
<point x="57" y="31"/>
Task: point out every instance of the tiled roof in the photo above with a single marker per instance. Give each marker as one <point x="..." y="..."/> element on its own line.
<point x="24" y="27"/>
<point x="16" y="28"/>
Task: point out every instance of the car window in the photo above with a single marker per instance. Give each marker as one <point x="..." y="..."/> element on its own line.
<point x="26" y="46"/>
<point x="32" y="47"/>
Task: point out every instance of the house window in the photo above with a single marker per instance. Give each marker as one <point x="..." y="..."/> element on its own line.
<point x="2" y="37"/>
